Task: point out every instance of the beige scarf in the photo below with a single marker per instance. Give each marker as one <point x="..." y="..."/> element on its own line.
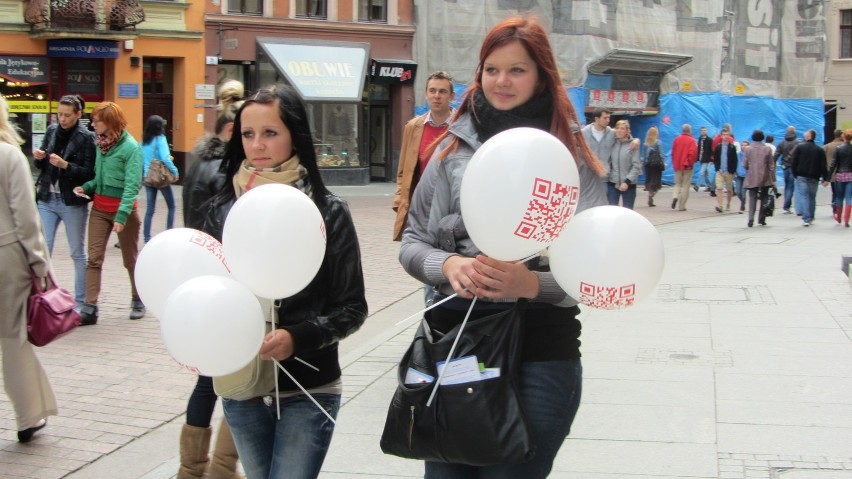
<point x="291" y="172"/>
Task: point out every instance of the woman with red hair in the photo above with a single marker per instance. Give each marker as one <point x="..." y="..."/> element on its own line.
<point x="516" y="84"/>
<point x="118" y="175"/>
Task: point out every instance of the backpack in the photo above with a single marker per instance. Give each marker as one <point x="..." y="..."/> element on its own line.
<point x="655" y="159"/>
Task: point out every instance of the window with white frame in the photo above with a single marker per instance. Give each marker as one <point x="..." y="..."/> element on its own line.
<point x="373" y="11"/>
<point x="846" y="34"/>
<point x="312" y="8"/>
<point x="252" y="7"/>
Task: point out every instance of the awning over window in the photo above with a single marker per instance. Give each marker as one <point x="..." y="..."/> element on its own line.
<point x="392" y="72"/>
<point x="320" y="70"/>
<point x="622" y="60"/>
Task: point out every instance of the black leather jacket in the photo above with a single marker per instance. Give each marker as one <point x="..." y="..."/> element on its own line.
<point x="330" y="308"/>
<point x="203" y="181"/>
<point x="80" y="155"/>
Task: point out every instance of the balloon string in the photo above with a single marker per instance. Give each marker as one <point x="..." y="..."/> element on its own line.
<point x="420" y="313"/>
<point x="275" y="371"/>
<point x="306" y="363"/>
<point x="304" y="391"/>
<point x="449" y="356"/>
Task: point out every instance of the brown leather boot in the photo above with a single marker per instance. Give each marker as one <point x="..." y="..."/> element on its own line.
<point x="225" y="457"/>
<point x="194" y="444"/>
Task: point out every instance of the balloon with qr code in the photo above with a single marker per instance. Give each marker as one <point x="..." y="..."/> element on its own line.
<point x="172" y="257"/>
<point x="213" y="325"/>
<point x="518" y="192"/>
<point x="274" y="240"/>
<point x="608" y="257"/>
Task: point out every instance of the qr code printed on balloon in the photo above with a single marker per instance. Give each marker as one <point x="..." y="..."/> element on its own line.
<point x="607" y="297"/>
<point x="550" y="207"/>
<point x="209" y="243"/>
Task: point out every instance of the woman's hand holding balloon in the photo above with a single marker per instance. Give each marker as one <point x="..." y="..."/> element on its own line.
<point x="459" y="270"/>
<point x="278" y="344"/>
<point x="503" y="279"/>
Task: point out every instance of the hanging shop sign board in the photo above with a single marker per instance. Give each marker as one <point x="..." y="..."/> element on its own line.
<point x="320" y="71"/>
<point x="392" y="72"/>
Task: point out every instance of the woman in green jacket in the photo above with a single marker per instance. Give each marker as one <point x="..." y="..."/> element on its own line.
<point x="118" y="176"/>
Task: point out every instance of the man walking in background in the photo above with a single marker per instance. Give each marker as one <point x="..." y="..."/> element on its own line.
<point x="808" y="167"/>
<point x="684" y="154"/>
<point x="785" y="153"/>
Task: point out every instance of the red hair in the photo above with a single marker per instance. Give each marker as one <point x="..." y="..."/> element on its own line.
<point x="529" y="33"/>
<point x="112" y="115"/>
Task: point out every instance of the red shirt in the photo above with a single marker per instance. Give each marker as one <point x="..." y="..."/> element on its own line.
<point x="430" y="133"/>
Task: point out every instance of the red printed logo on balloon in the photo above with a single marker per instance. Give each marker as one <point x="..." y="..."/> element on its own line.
<point x="607" y="297"/>
<point x="210" y="244"/>
<point x="548" y="210"/>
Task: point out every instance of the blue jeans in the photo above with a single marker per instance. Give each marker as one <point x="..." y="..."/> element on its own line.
<point x="52" y="213"/>
<point x="293" y="447"/>
<point x="806" y="190"/>
<point x="707" y="172"/>
<point x="844" y="193"/>
<point x="550" y="394"/>
<point x="152" y="203"/>
<point x="789" y="188"/>
<point x="739" y="189"/>
<point x="628" y="198"/>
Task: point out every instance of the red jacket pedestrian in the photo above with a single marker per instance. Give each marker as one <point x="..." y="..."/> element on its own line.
<point x="684" y="152"/>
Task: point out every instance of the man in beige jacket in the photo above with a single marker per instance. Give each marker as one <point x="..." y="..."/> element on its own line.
<point x="418" y="135"/>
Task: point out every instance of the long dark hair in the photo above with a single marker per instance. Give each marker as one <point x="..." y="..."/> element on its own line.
<point x="154" y="127"/>
<point x="293" y="113"/>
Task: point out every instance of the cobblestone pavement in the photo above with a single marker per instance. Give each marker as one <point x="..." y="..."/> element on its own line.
<point x="122" y="397"/>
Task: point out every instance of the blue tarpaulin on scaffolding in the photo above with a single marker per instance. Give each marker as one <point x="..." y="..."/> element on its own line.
<point x="744" y="113"/>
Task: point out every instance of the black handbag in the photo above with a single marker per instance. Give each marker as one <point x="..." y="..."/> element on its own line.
<point x="769" y="203"/>
<point x="477" y="423"/>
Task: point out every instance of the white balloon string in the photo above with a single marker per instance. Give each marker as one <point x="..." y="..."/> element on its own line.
<point x="306" y="392"/>
<point x="534" y="255"/>
<point x="274" y="371"/>
<point x="449" y="356"/>
<point x="420" y="313"/>
<point x="306" y="363"/>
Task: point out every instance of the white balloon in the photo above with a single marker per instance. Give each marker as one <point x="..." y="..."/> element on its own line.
<point x="518" y="192"/>
<point x="173" y="257"/>
<point x="608" y="257"/>
<point x="274" y="240"/>
<point x="213" y="325"/>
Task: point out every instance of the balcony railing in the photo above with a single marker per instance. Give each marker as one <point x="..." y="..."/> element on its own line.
<point x="84" y="14"/>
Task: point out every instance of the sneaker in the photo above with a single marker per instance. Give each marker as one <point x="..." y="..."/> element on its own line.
<point x="788" y="212"/>
<point x="805" y="224"/>
<point x="674" y="203"/>
<point x="137" y="309"/>
<point x="695" y="187"/>
<point x="712" y="194"/>
<point x="718" y="209"/>
<point x="88" y="314"/>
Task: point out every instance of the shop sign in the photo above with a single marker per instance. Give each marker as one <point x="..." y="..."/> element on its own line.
<point x="386" y="72"/>
<point x="83" y="80"/>
<point x="32" y="70"/>
<point x="31" y="106"/>
<point x="320" y="71"/>
<point x="80" y="48"/>
<point x="618" y="99"/>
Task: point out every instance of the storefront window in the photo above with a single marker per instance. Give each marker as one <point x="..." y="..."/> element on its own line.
<point x="335" y="129"/>
<point x="24" y="83"/>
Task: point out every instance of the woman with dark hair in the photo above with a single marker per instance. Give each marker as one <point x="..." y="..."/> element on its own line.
<point x="155" y="146"/>
<point x="516" y="84"/>
<point x="272" y="143"/>
<point x="66" y="159"/>
<point x="842" y="168"/>
<point x="118" y="174"/>
<point x="760" y="175"/>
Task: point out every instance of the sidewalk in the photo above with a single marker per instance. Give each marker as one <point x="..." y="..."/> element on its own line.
<point x="739" y="366"/>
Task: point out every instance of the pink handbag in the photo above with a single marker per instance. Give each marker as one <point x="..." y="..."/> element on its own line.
<point x="50" y="312"/>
